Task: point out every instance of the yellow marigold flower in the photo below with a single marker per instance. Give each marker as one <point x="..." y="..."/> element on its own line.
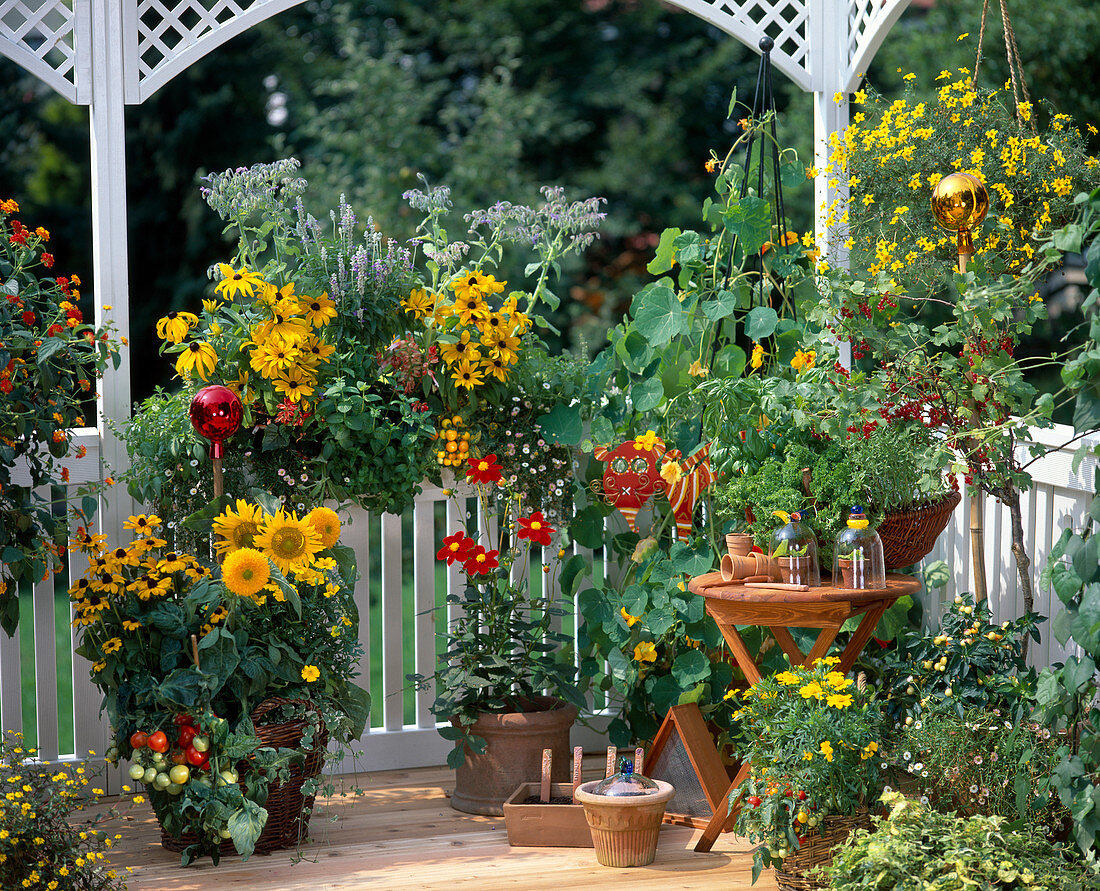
<point x="245" y="572"/>
<point x="9" y="206"/>
<point x="645" y="652"/>
<point x="811" y="690"/>
<point x="646" y="441"/>
<point x="827" y="750"/>
<point x="787" y="678"/>
<point x="237" y="281"/>
<point x="630" y="620"/>
<point x="671" y="472"/>
<point x="174" y="326"/>
<point x="839" y="700"/>
<point x="327" y="523"/>
<point x="310" y="673"/>
<point x="199" y="358"/>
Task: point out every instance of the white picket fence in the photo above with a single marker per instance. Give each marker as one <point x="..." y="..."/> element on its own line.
<point x="46" y="692"/>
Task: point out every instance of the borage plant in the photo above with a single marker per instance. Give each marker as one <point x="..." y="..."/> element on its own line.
<point x="505" y="648"/>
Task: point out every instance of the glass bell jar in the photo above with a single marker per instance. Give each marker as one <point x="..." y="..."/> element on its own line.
<point x="858" y="563"/>
<point x="793" y="552"/>
<point x="625" y="782"/>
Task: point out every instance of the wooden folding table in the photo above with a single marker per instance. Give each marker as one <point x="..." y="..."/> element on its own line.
<point x="826" y="608"/>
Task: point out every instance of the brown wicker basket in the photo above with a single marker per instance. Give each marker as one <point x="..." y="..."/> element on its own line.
<point x="909" y="535"/>
<point x="816" y="850"/>
<point x="288" y="810"/>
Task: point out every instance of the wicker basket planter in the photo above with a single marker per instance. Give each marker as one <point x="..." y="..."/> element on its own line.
<point x="799" y="869"/>
<point x="908" y="536"/>
<point x="288" y="810"/>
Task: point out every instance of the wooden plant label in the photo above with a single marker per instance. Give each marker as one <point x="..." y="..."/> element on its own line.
<point x="544" y="788"/>
<point x="578" y="754"/>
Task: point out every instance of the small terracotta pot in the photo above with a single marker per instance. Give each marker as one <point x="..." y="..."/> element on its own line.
<point x="847" y="572"/>
<point x="794" y="570"/>
<point x="739" y="567"/>
<point x="739" y="544"/>
<point x="625" y="828"/>
<point x="513" y="754"/>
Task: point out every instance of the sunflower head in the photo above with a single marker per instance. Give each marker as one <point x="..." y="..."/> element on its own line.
<point x="288" y="541"/>
<point x="237" y="528"/>
<point x="245" y="572"/>
<point x="327" y="523"/>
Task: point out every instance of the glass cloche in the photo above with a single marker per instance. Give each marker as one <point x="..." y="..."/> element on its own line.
<point x="625" y="782"/>
<point x="793" y="552"/>
<point x="858" y="563"/>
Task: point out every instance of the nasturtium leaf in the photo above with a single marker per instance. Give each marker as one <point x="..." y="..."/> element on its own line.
<point x="724" y="303"/>
<point x="792" y="174"/>
<point x="730" y="361"/>
<point x="693" y="562"/>
<point x="562" y="425"/>
<point x="586" y="527"/>
<point x="636" y="600"/>
<point x="665" y="258"/>
<point x="690" y="667"/>
<point x="658" y="315"/>
<point x="750" y="220"/>
<point x="761" y="322"/>
<point x="647" y="394"/>
<point x="634" y="351"/>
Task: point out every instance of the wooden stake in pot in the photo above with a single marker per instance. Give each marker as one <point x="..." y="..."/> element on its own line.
<point x="578" y="755"/>
<point x="611" y="753"/>
<point x="544" y="786"/>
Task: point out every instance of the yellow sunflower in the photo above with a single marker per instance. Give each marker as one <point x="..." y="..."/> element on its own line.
<point x="327" y="523"/>
<point x="237" y="281"/>
<point x="174" y="326"/>
<point x="318" y="311"/>
<point x="199" y="358"/>
<point x="245" y="572"/>
<point x="288" y="541"/>
<point x="238" y="528"/>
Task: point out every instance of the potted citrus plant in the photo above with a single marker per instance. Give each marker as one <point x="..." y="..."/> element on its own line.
<point x="502" y="651"/>
<point x="812" y="739"/>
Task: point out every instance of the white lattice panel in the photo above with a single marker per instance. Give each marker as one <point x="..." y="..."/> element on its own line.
<point x="869" y="21"/>
<point x="41" y="36"/>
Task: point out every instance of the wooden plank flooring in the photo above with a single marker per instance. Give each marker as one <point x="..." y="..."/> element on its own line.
<point x="402" y="833"/>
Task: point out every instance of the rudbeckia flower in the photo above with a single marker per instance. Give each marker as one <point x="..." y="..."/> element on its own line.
<point x="294" y="383"/>
<point x="174" y="326"/>
<point x="318" y="311"/>
<point x="237" y="281"/>
<point x="463" y="349"/>
<point x="199" y="358"/>
<point x="468" y="375"/>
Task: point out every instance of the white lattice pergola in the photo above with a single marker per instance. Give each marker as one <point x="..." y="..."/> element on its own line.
<point x="107" y="54"/>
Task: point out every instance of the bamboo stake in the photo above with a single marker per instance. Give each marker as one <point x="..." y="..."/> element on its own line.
<point x="977" y="500"/>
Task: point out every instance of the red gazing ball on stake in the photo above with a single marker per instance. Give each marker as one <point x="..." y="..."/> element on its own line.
<point x="216" y="414"/>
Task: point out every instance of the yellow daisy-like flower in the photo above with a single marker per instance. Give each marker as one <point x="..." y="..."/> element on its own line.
<point x="130" y="625"/>
<point x="646" y="441"/>
<point x="97" y="667"/>
<point x="672" y="472"/>
<point x="462" y="350"/>
<point x="143" y="523"/>
<point x="150" y="585"/>
<point x="420" y="303"/>
<point x="812" y="690"/>
<point x="807" y="756"/>
<point x="827" y="750"/>
<point x="238" y="529"/>
<point x="519" y="321"/>
<point x="295" y="383"/>
<point x="288" y="541"/>
<point x="787" y="678"/>
<point x="467" y="375"/>
<point x="469" y="284"/>
<point x="471" y="309"/>
<point x="837" y="681"/>
<point x="273" y="355"/>
<point x="868" y="751"/>
<point x="245" y="572"/>
<point x="314" y="350"/>
<point x="327" y="523"/>
<point x="630" y="620"/>
<point x="237" y="281"/>
<point x="318" y="311"/>
<point x="174" y="326"/>
<point x="494" y="367"/>
<point x="645" y="652"/>
<point x="112" y="645"/>
<point x="199" y="358"/>
<point x="502" y="345"/>
<point x="838" y="700"/>
<point x="310" y="673"/>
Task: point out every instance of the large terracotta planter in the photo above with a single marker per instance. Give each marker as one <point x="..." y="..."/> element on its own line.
<point x="513" y="754"/>
<point x="625" y="828"/>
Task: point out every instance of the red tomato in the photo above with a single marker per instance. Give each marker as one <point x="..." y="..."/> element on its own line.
<point x="139" y="740"/>
<point x="178" y="756"/>
<point x="187" y="733"/>
<point x="197" y="758"/>
<point x="158" y="742"/>
<point x="754" y="801"/>
<point x="802" y="796"/>
<point x="180" y="720"/>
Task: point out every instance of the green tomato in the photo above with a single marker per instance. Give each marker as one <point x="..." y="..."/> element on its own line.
<point x="225" y="833"/>
<point x="204" y="779"/>
<point x="161" y="781"/>
<point x="149" y="775"/>
<point x="180" y="774"/>
<point x="225" y="778"/>
<point x="173" y="788"/>
<point x="201" y="743"/>
<point x="137" y="772"/>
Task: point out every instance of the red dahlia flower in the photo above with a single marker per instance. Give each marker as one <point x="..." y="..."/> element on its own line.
<point x="535" y="528"/>
<point x="481" y="561"/>
<point x="484" y="470"/>
<point x="456" y="547"/>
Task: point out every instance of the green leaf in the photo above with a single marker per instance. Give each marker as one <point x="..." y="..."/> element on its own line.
<point x="1086" y="411"/>
<point x="245" y="825"/>
<point x="357" y="705"/>
<point x="636" y="600"/>
<point x="685" y="559"/>
<point x="690" y="668"/>
<point x="665" y="257"/>
<point x="634" y="351"/>
<point x="183" y="687"/>
<point x="647" y="394"/>
<point x="724" y="303"/>
<point x="658" y="315"/>
<point x="586" y="527"/>
<point x="761" y="322"/>
<point x="730" y="361"/>
<point x="203" y="520"/>
<point x="602" y="430"/>
<point x="562" y="425"/>
<point x="572" y="571"/>
<point x="937" y="574"/>
<point x="750" y="220"/>
<point x="50" y="346"/>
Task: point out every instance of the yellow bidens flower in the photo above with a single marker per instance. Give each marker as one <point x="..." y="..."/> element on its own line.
<point x="174" y="326"/>
<point x="645" y="652"/>
<point x="245" y="572"/>
<point x="310" y="673"/>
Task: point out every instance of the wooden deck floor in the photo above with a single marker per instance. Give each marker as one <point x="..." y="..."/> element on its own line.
<point x="402" y="833"/>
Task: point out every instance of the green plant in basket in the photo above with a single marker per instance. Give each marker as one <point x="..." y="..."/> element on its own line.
<point x="812" y="739"/>
<point x="184" y="654"/>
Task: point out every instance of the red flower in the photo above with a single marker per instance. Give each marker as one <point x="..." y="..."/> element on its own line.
<point x="63" y="283"/>
<point x="54" y="330"/>
<point x="6" y="386"/>
<point x="456" y="547"/>
<point x="484" y="470"/>
<point x="480" y="561"/>
<point x="535" y="528"/>
<point x="28" y="318"/>
<point x="47" y="259"/>
<point x="19" y="237"/>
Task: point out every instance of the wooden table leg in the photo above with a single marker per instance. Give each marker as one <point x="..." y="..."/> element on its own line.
<point x="740" y="652"/>
<point x="821" y="645"/>
<point x="862" y="635"/>
<point x="786" y="642"/>
<point x="722" y="814"/>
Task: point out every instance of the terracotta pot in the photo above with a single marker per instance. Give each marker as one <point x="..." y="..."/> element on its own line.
<point x="794" y="570"/>
<point x="625" y="829"/>
<point x="513" y="754"/>
<point x="847" y="572"/>
<point x="739" y="544"/>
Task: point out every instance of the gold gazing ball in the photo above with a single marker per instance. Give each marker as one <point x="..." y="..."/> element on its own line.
<point x="960" y="202"/>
